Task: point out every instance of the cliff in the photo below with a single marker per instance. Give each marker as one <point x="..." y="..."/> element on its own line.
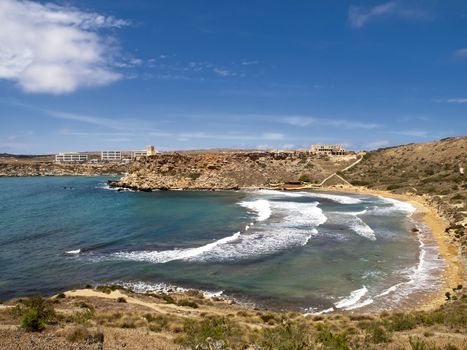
<point x="230" y="170"/>
<point x="33" y="168"/>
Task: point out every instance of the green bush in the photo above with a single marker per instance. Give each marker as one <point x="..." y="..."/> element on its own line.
<point x="403" y="322"/>
<point x="189" y="303"/>
<point x="38" y="311"/>
<point x="304" y="178"/>
<point x="378" y="334"/>
<point x="288" y="336"/>
<point x="194" y="176"/>
<point x="330" y="340"/>
<point x="214" y="327"/>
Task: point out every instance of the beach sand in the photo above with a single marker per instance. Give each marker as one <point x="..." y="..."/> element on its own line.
<point x="427" y="215"/>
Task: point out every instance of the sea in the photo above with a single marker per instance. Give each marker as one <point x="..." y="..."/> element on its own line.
<point x="306" y="251"/>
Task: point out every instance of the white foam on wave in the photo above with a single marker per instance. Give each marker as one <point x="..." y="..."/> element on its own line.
<point x="352" y="299"/>
<point x="175" y="254"/>
<point x="294" y="225"/>
<point x="361" y="228"/>
<point x="394" y="206"/>
<point x="260" y="206"/>
<point x="73" y="252"/>
<point x="341" y="199"/>
<point x="336" y="198"/>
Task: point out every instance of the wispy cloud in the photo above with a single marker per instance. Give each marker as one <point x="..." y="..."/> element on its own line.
<point x="359" y="16"/>
<point x="338" y="123"/>
<point x="461" y="52"/>
<point x="87" y="119"/>
<point x="412" y="133"/>
<point x="47" y="48"/>
<point x="457" y="100"/>
<point x="230" y="136"/>
<point x="375" y="144"/>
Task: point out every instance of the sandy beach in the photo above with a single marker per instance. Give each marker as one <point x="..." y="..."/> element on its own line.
<point x="427" y="215"/>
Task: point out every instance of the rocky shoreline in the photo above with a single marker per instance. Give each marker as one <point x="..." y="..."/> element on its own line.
<point x="21" y="169"/>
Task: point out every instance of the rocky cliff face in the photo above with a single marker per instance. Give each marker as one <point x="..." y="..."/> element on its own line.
<point x="18" y="168"/>
<point x="229" y="170"/>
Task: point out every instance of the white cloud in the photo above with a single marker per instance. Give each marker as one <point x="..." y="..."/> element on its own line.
<point x="359" y="16"/>
<point x="338" y="123"/>
<point x="229" y="136"/>
<point x="414" y="133"/>
<point x="376" y="144"/>
<point x="461" y="52"/>
<point x="457" y="100"/>
<point x="47" y="48"/>
<point x="223" y="72"/>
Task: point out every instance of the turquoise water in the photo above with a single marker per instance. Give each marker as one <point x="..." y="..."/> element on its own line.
<point x="284" y="250"/>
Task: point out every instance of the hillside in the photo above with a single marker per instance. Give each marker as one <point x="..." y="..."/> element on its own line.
<point x="230" y="170"/>
<point x="435" y="170"/>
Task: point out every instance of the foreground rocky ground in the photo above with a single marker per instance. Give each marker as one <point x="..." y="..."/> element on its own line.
<point x="114" y="318"/>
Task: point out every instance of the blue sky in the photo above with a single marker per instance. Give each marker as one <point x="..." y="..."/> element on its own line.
<point x="90" y="75"/>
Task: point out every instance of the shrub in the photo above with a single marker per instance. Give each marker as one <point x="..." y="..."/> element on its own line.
<point x="403" y="322"/>
<point x="304" y="178"/>
<point x="214" y="327"/>
<point x="378" y="334"/>
<point x="168" y="299"/>
<point x="82" y="334"/>
<point x="288" y="336"/>
<point x="83" y="317"/>
<point x="194" y="176"/>
<point x="338" y="341"/>
<point x="189" y="303"/>
<point x="37" y="313"/>
<point x="121" y="300"/>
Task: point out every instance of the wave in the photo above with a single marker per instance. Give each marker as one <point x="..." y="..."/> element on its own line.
<point x="294" y="226"/>
<point x="336" y="198"/>
<point x="175" y="254"/>
<point x="260" y="206"/>
<point x="73" y="252"/>
<point x="394" y="206"/>
<point x="361" y="228"/>
<point x="341" y="199"/>
<point x="352" y="299"/>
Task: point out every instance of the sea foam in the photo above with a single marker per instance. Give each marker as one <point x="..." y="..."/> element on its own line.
<point x="292" y="225"/>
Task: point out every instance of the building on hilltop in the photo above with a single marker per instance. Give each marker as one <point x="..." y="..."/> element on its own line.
<point x="150" y="150"/>
<point x="70" y="157"/>
<point x="111" y="156"/>
<point x="328" y="149"/>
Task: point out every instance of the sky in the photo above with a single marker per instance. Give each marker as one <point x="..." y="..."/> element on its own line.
<point x="86" y="75"/>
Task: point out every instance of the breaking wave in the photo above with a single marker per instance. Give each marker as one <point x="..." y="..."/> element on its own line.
<point x="361" y="228"/>
<point x="261" y="206"/>
<point x="352" y="299"/>
<point x="292" y="224"/>
<point x="392" y="206"/>
<point x="341" y="199"/>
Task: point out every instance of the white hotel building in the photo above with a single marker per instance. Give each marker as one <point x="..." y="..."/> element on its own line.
<point x="111" y="156"/>
<point x="70" y="157"/>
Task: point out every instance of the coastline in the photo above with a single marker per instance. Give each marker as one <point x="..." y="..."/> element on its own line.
<point x="428" y="216"/>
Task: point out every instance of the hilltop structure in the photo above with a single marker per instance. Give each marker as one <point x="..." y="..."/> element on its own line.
<point x="328" y="149"/>
<point x="71" y="157"/>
